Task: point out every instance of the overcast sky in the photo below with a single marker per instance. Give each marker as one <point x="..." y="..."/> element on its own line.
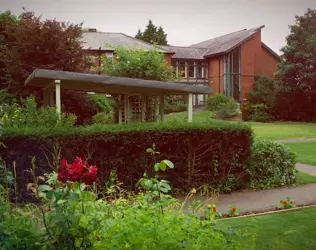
<point x="185" y="21"/>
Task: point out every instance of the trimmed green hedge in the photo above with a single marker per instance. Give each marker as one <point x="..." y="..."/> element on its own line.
<point x="214" y="152"/>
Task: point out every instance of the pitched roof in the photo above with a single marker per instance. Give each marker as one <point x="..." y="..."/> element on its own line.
<point x="270" y="50"/>
<point x="103" y="40"/>
<point x="185" y="52"/>
<point x="227" y="42"/>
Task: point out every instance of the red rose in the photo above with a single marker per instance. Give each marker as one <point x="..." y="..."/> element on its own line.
<point x="63" y="165"/>
<point x="284" y="202"/>
<point x="90" y="176"/>
<point x="63" y="176"/>
<point x="214" y="210"/>
<point x="76" y="172"/>
<point x="48" y="209"/>
<point x="234" y="209"/>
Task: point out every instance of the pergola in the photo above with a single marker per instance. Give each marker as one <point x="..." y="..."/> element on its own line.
<point x="54" y="81"/>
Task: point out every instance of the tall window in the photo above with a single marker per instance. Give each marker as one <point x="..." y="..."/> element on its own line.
<point x="232" y="85"/>
<point x="191" y="69"/>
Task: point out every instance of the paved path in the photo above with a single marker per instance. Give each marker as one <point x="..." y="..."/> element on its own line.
<point x="309" y="169"/>
<point x="261" y="200"/>
<point x="296" y="140"/>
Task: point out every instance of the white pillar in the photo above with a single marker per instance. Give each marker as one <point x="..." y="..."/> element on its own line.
<point x="162" y="107"/>
<point x="58" y="101"/>
<point x="190" y="107"/>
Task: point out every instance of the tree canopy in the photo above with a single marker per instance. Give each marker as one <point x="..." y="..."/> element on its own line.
<point x="27" y="42"/>
<point x="297" y="69"/>
<point x="152" y="34"/>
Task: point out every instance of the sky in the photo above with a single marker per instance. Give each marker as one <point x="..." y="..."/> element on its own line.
<point x="185" y="21"/>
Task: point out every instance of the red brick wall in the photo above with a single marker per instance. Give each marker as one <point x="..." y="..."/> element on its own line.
<point x="168" y="58"/>
<point x="216" y="81"/>
<point x="267" y="64"/>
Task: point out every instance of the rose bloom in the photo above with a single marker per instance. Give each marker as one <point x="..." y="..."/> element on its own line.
<point x="214" y="210"/>
<point x="284" y="202"/>
<point x="234" y="209"/>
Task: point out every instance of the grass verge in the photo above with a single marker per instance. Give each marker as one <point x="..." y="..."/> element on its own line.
<point x="305" y="152"/>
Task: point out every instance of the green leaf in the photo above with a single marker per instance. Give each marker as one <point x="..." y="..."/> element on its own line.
<point x="149" y="150"/>
<point x="149" y="184"/>
<point x="157" y="167"/>
<point x="61" y="202"/>
<point x="44" y="188"/>
<point x="168" y="163"/>
<point x="162" y="166"/>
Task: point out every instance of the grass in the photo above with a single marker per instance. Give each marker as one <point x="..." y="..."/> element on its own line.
<point x="304" y="179"/>
<point x="288" y="231"/>
<point x="271" y="131"/>
<point x="305" y="152"/>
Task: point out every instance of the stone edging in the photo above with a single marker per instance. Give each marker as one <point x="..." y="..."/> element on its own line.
<point x="270" y="212"/>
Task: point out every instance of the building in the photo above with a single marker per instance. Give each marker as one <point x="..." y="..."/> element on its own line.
<point x="227" y="63"/>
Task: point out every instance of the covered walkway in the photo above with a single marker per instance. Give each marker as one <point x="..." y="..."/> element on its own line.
<point x="55" y="81"/>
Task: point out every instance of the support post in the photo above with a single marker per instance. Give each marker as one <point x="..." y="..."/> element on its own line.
<point x="143" y="114"/>
<point x="157" y="108"/>
<point x="190" y="107"/>
<point x="126" y="109"/>
<point x="45" y="98"/>
<point x="162" y="107"/>
<point x="120" y="111"/>
<point x="58" y="100"/>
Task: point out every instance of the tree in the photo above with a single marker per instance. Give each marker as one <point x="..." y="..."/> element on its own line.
<point x="297" y="69"/>
<point x="152" y="35"/>
<point x="27" y="42"/>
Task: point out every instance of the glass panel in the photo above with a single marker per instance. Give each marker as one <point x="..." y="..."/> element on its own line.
<point x="198" y="68"/>
<point x="190" y="69"/>
<point x="181" y="68"/>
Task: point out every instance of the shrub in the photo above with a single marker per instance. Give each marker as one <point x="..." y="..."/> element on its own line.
<point x="228" y="110"/>
<point x="215" y="102"/>
<point x="29" y="116"/>
<point x="215" y="152"/>
<point x="272" y="165"/>
<point x="258" y="112"/>
<point x="287" y="203"/>
<point x="103" y="118"/>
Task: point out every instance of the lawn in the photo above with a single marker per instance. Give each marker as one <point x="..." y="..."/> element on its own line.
<point x="271" y="131"/>
<point x="288" y="231"/>
<point x="304" y="179"/>
<point x="305" y="151"/>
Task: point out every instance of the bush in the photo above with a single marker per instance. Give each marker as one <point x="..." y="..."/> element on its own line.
<point x="174" y="103"/>
<point x="215" y="152"/>
<point x="272" y="165"/>
<point x="228" y="110"/>
<point x="215" y="102"/>
<point x="258" y="112"/>
<point x="103" y="118"/>
<point x="29" y="116"/>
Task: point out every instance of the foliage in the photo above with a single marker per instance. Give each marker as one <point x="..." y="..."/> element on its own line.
<point x="139" y="63"/>
<point x="56" y="45"/>
<point x="174" y="103"/>
<point x="215" y="152"/>
<point x="74" y="218"/>
<point x="28" y="115"/>
<point x="272" y="165"/>
<point x="103" y="118"/>
<point x="287" y="203"/>
<point x="215" y="102"/>
<point x="228" y="110"/>
<point x="152" y="35"/>
<point x="257" y="112"/>
<point x="106" y="107"/>
<point x="261" y="104"/>
<point x="233" y="211"/>
<point x="296" y="70"/>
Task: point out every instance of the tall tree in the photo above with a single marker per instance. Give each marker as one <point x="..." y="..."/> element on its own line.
<point x="297" y="69"/>
<point x="152" y="34"/>
<point x="27" y="42"/>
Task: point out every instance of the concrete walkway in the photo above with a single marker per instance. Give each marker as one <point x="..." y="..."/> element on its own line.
<point x="296" y="140"/>
<point x="309" y="169"/>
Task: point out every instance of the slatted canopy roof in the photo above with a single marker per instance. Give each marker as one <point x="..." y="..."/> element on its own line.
<point x="111" y="85"/>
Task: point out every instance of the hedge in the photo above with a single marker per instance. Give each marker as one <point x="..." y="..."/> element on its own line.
<point x="214" y="152"/>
